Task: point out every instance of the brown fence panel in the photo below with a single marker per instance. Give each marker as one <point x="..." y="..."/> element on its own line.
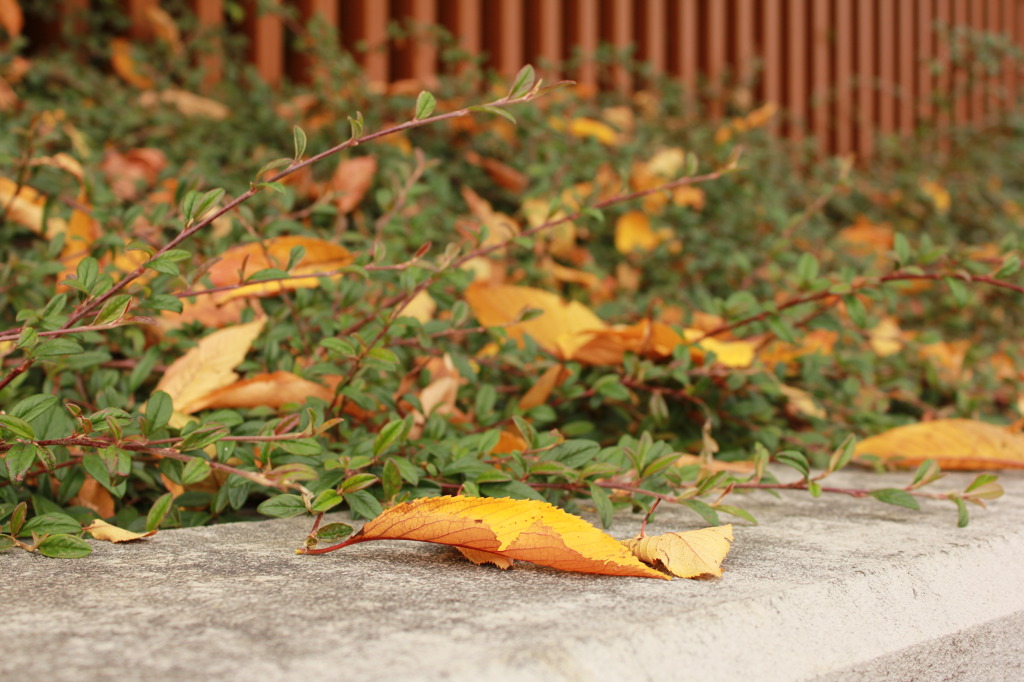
<point x="842" y="70"/>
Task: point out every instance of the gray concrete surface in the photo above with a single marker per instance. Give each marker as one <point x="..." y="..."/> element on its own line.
<point x="830" y="589"/>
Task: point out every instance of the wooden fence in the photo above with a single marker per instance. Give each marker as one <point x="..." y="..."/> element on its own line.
<point x="842" y="70"/>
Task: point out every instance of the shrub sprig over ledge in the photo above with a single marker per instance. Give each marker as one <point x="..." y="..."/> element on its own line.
<point x="602" y="304"/>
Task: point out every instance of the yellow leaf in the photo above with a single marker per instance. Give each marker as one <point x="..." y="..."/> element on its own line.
<point x="208" y="366"/>
<point x="62" y="161"/>
<point x="101" y="530"/>
<point x="272" y="389"/>
<point x="938" y="195"/>
<point x="240" y="262"/>
<point x="164" y="27"/>
<point x="633" y="233"/>
<point x="500" y="226"/>
<point x="736" y="354"/>
<point x="527" y="530"/>
<point x="124" y="65"/>
<point x="11" y="17"/>
<point x="588" y="127"/>
<point x="188" y="103"/>
<point x="25" y="207"/>
<point x="886" y="338"/>
<point x="559" y="330"/>
<point x="865" y="238"/>
<point x="962" y="444"/>
<point x="800" y="402"/>
<point x="690" y="554"/>
<point x="421" y="307"/>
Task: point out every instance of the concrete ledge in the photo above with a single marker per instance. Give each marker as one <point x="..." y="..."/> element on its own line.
<point x="832" y="589"/>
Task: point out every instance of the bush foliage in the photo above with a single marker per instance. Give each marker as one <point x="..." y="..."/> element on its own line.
<point x="869" y="295"/>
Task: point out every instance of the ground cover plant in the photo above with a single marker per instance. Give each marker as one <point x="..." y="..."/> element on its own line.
<point x="324" y="297"/>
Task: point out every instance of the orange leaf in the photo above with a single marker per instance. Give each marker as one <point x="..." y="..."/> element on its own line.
<point x="25" y="207"/>
<point x="559" y="330"/>
<point x="865" y="238"/>
<point x="101" y="530"/>
<point x="500" y="226"/>
<point x="351" y="180"/>
<point x="540" y="391"/>
<point x="691" y="554"/>
<point x="527" y="530"/>
<point x="588" y="127"/>
<point x="188" y="103"/>
<point x="273" y="389"/>
<point x="961" y="444"/>
<point x="633" y="233"/>
<point x="124" y="66"/>
<point x="11" y="17"/>
<point x="240" y="262"/>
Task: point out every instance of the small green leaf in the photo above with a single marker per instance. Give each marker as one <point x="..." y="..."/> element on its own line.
<point x="18" y="459"/>
<point x="363" y="503"/>
<point x="18" y="518"/>
<point x="159" y="409"/>
<point x="843" y="454"/>
<point x="980" y="480"/>
<point x="19" y="427"/>
<point x="54" y="522"/>
<point x="425" y="104"/>
<point x="304" y="447"/>
<point x="207" y="201"/>
<point x="963" y="517"/>
<point x="114" y="310"/>
<point x="494" y="110"/>
<point x="1010" y="266"/>
<point x="814" y="488"/>
<point x="324" y="500"/>
<point x="299" y="139"/>
<point x="334" y="532"/>
<point x="807" y="268"/>
<point x="197" y="470"/>
<point x="61" y="345"/>
<point x="391" y="479"/>
<point x="900" y="498"/>
<point x="387" y="436"/>
<point x="795" y="460"/>
<point x="158" y="511"/>
<point x="736" y="511"/>
<point x="901" y="247"/>
<point x="272" y="165"/>
<point x="357" y="125"/>
<point x="603" y="503"/>
<point x="340" y="346"/>
<point x="201" y="437"/>
<point x="705" y="510"/>
<point x="523" y="83"/>
<point x="6" y="542"/>
<point x="957" y="287"/>
<point x="282" y="506"/>
<point x="357" y="482"/>
<point x="62" y="546"/>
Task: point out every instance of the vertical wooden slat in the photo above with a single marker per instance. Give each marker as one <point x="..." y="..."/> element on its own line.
<point x="683" y="47"/>
<point x="743" y="39"/>
<point x="976" y="100"/>
<point x="582" y="22"/>
<point x="796" y="67"/>
<point x="654" y="34"/>
<point x="504" y="23"/>
<point x="210" y="15"/>
<point x="885" y="37"/>
<point x="141" y="28"/>
<point x="313" y="13"/>
<point x="843" y="85"/>
<point x="961" y="104"/>
<point x="771" y="41"/>
<point x="906" y="73"/>
<point x="464" y="18"/>
<point x="364" y="32"/>
<point x="417" y="58"/>
<point x="992" y="86"/>
<point x="925" y="54"/>
<point x="715" y="56"/>
<point x="1009" y="81"/>
<point x="821" y="71"/>
<point x="266" y="41"/>
<point x="548" y="27"/>
<point x="617" y="20"/>
<point x="865" y="23"/>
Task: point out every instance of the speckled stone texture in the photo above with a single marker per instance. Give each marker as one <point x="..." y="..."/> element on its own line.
<point x="835" y="589"/>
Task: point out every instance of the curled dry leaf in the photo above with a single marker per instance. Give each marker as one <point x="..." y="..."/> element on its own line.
<point x="101" y="530"/>
<point x="124" y="65"/>
<point x="188" y="103"/>
<point x="503" y="530"/>
<point x="691" y="554"/>
<point x="959" y="444"/>
<point x="209" y="366"/>
<point x="240" y="262"/>
<point x="25" y="207"/>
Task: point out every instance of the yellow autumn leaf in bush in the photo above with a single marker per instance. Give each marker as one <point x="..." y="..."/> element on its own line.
<point x="963" y="444"/>
<point x="558" y="330"/>
<point x="690" y="554"/>
<point x="633" y="233"/>
<point x="938" y="195"/>
<point x="502" y="530"/>
<point x="240" y="262"/>
<point x="588" y="127"/>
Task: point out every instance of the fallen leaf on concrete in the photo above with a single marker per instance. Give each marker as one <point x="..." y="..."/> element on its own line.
<point x="101" y="530"/>
<point x="209" y="366"/>
<point x="691" y="554"/>
<point x="502" y="530"/>
<point x="959" y="444"/>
